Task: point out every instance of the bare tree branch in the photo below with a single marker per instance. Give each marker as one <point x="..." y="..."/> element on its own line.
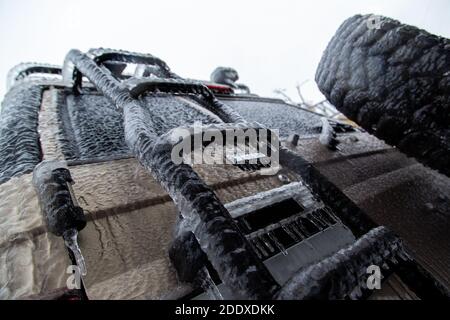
<point x="299" y="91"/>
<point x="281" y="92"/>
<point x="322" y="107"/>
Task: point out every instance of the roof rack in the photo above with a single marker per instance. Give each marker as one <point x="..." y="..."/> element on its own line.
<point x="24" y="70"/>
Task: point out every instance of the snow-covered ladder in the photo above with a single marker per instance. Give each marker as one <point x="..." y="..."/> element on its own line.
<point x="229" y="252"/>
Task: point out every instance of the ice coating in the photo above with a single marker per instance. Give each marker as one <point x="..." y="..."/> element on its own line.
<point x="54" y="143"/>
<point x="93" y="127"/>
<point x="19" y="147"/>
<point x="71" y="241"/>
<point x="189" y="260"/>
<point x="32" y="261"/>
<point x="125" y="251"/>
<point x="64" y="217"/>
<point x="211" y="223"/>
<point x="194" y="89"/>
<point x="355" y="218"/>
<point x="352" y="216"/>
<point x="23" y="70"/>
<point x="186" y="255"/>
<point x="245" y="205"/>
<point x="43" y="171"/>
<point x="192" y="197"/>
<point x="150" y="266"/>
<point x="328" y="135"/>
<point x="208" y="285"/>
<point x="145" y="137"/>
<point x="100" y="55"/>
<point x="344" y="273"/>
<point x="95" y="124"/>
<point x="213" y="226"/>
<point x="52" y="182"/>
<point x="26" y="217"/>
<point x="288" y="119"/>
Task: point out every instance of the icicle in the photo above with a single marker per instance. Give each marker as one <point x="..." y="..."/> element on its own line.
<point x="208" y="285"/>
<point x="394" y="260"/>
<point x="246" y="224"/>
<point x="257" y="250"/>
<point x="331" y="213"/>
<point x="277" y="243"/>
<point x="290" y="233"/>
<point x="295" y="229"/>
<point x="258" y="253"/>
<point x="311" y="219"/>
<point x="356" y="293"/>
<point x="267" y="244"/>
<point x="260" y="247"/>
<point x="403" y="255"/>
<point x="70" y="239"/>
<point x="321" y="220"/>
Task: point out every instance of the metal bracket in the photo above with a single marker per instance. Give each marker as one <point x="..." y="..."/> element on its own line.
<point x="24" y="70"/>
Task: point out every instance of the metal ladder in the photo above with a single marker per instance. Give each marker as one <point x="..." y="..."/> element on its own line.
<point x="213" y="230"/>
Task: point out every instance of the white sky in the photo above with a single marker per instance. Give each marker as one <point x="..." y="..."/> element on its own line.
<point x="272" y="44"/>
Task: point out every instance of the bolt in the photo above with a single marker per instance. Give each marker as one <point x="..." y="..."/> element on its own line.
<point x="293" y="139"/>
<point x="283" y="178"/>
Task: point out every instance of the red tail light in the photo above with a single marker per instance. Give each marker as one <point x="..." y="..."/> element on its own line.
<point x="219" y="88"/>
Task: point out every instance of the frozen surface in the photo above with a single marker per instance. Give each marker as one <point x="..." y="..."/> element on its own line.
<point x="198" y="204"/>
<point x="96" y="125"/>
<point x="351" y="145"/>
<point x="328" y="135"/>
<point x="32" y="261"/>
<point x="131" y="221"/>
<point x="177" y="111"/>
<point x="286" y="118"/>
<point x="51" y="134"/>
<point x="311" y="250"/>
<point x="343" y="274"/>
<point x="52" y="181"/>
<point x="19" y="147"/>
<point x="416" y="204"/>
<point x="93" y="126"/>
<point x="122" y="251"/>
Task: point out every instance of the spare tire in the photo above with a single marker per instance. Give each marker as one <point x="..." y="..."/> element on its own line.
<point x="394" y="81"/>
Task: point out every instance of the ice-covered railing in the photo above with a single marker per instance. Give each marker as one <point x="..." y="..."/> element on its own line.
<point x="102" y="57"/>
<point x="24" y="70"/>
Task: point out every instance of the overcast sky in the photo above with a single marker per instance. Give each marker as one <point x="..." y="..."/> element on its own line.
<point x="272" y="44"/>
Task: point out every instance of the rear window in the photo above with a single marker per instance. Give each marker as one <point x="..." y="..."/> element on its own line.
<point x="277" y="115"/>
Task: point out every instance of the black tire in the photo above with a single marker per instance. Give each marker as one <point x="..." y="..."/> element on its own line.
<point x="394" y="81"/>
